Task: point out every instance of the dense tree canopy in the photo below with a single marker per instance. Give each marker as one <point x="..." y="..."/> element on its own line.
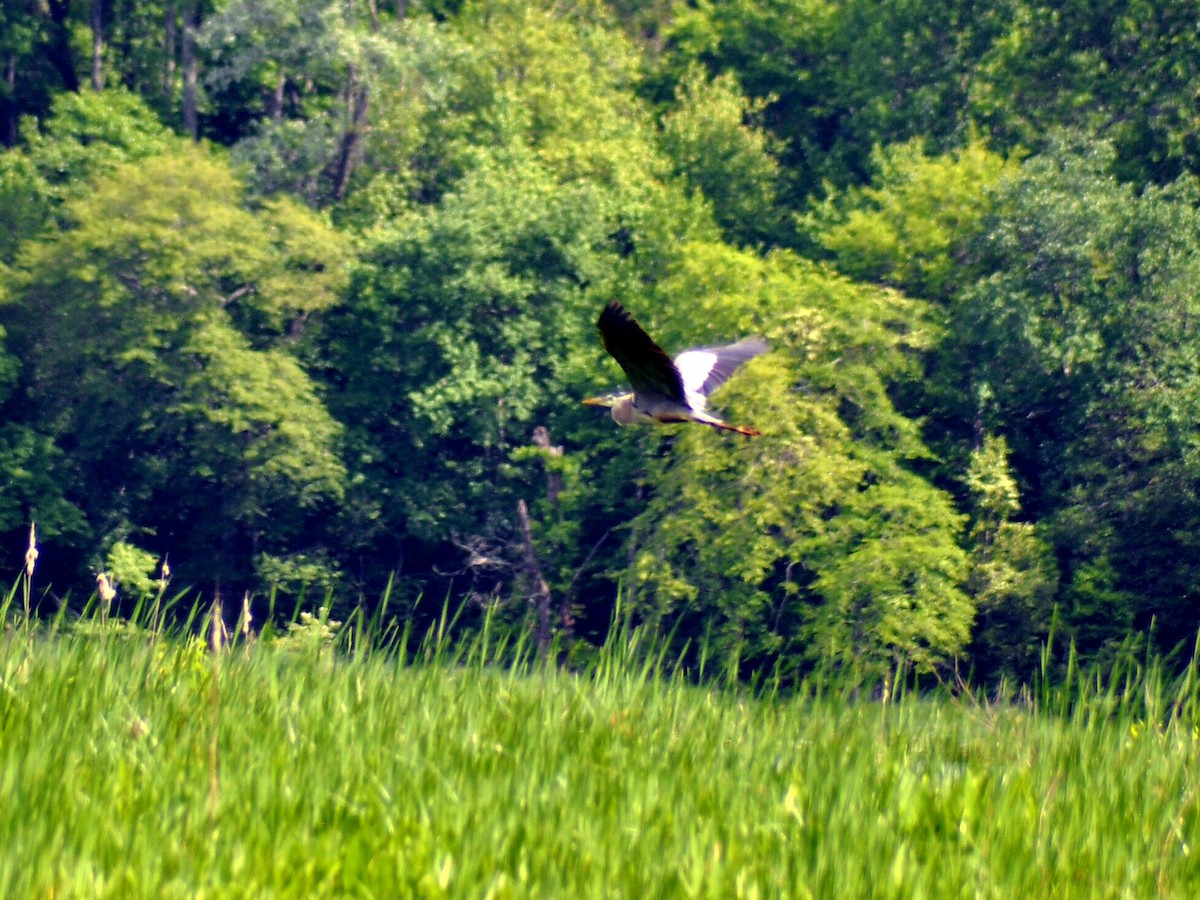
<point x="156" y="329"/>
<point x="302" y="296"/>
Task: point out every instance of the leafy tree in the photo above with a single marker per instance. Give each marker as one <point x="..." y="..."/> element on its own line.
<point x="85" y="135"/>
<point x="321" y="96"/>
<point x="915" y="227"/>
<point x="775" y="50"/>
<point x="817" y="543"/>
<point x="37" y="59"/>
<point x="1014" y="576"/>
<point x="155" y="336"/>
<point x="293" y="72"/>
<point x="1117" y="70"/>
<point x="1056" y="283"/>
<point x="709" y="136"/>
<point x="25" y="206"/>
<point x="146" y="48"/>
<point x="31" y="465"/>
<point x="132" y="570"/>
<point x="256" y="437"/>
<point x="562" y="89"/>
<point x="18" y="32"/>
<point x="912" y="226"/>
<point x="471" y="320"/>
<point x="311" y="576"/>
<point x="1079" y="347"/>
<point x="906" y="69"/>
<point x="179" y="370"/>
<point x="470" y="323"/>
<point x="434" y="112"/>
<point x="836" y="80"/>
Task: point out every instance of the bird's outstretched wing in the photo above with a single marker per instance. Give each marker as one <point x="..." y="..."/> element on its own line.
<point x="649" y="368"/>
<point x="707" y="368"/>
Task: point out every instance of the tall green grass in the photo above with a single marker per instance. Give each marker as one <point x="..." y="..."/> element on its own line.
<point x="308" y="765"/>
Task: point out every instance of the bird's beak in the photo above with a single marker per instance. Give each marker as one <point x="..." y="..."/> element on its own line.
<point x="600" y="401"/>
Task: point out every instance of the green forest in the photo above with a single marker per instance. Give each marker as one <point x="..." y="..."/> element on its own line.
<point x="298" y="303"/>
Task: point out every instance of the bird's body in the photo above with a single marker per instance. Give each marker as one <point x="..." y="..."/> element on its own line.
<point x="667" y="390"/>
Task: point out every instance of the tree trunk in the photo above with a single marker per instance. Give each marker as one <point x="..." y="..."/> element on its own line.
<point x="554" y="481"/>
<point x="58" y="49"/>
<point x="170" y="32"/>
<point x="356" y="125"/>
<point x="358" y="101"/>
<point x="10" y="103"/>
<point x="97" y="23"/>
<point x="276" y="108"/>
<point x="554" y="489"/>
<point x="541" y="590"/>
<point x="191" y="25"/>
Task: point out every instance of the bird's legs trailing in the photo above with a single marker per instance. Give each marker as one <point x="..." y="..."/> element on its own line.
<point x="706" y="419"/>
<point x="740" y="429"/>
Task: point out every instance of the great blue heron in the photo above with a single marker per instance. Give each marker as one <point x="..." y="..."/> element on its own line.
<point x="666" y="390"/>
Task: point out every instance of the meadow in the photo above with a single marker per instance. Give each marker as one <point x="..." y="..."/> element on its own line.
<point x="311" y="764"/>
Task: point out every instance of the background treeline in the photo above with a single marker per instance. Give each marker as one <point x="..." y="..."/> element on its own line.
<point x="300" y="295"/>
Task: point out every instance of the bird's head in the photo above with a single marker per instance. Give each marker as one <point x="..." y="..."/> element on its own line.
<point x="606" y="400"/>
<point x="623" y="410"/>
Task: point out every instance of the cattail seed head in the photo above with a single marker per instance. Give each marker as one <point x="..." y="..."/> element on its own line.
<point x="31" y="554"/>
<point x="217" y="635"/>
<point x="247" y="632"/>
<point x="105" y="588"/>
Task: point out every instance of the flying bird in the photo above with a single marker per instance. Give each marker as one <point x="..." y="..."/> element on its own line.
<point x="666" y="390"/>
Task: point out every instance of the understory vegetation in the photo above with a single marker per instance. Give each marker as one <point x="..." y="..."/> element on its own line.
<point x="298" y="299"/>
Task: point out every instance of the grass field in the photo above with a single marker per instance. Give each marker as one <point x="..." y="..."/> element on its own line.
<point x="131" y="767"/>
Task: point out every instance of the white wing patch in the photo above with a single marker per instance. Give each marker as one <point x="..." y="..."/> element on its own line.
<point x="694" y="368"/>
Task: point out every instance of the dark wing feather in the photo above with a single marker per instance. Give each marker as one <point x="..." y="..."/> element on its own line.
<point x="650" y="370"/>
